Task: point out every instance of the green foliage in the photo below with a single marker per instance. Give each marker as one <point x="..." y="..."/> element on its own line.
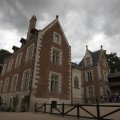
<point x="113" y="62"/>
<point x="3" y="54"/>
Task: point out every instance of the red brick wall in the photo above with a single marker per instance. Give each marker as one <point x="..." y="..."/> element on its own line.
<point x="46" y="66"/>
<point x="23" y="66"/>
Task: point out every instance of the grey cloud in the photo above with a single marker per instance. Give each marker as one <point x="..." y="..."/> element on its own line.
<point x="92" y="17"/>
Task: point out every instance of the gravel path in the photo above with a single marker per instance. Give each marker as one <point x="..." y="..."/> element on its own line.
<point x="46" y="116"/>
<point x="31" y="116"/>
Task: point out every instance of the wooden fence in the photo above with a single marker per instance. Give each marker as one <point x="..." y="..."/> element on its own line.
<point x="60" y="109"/>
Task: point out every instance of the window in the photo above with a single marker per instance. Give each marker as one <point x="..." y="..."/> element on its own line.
<point x="76" y="82"/>
<point x="1" y="84"/>
<point x="10" y="65"/>
<point x="88" y="61"/>
<point x="56" y="56"/>
<point x="25" y="80"/>
<point x="18" y="60"/>
<point x="90" y="92"/>
<point x="4" y="68"/>
<point x="29" y="53"/>
<point x="105" y="75"/>
<point x="5" y="85"/>
<point x="57" y="38"/>
<point x="55" y="82"/>
<point x="14" y="83"/>
<point x="89" y="76"/>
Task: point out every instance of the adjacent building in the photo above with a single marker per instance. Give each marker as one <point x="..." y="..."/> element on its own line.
<point x="95" y="71"/>
<point x="114" y="83"/>
<point x="77" y="86"/>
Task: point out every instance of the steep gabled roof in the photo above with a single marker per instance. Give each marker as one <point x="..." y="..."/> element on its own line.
<point x="95" y="57"/>
<point x="52" y="24"/>
<point x="49" y="25"/>
<point x="81" y="63"/>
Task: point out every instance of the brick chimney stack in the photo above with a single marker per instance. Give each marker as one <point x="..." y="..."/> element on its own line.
<point x="32" y="25"/>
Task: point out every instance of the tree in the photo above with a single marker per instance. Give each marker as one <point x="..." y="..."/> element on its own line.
<point x="3" y="54"/>
<point x="113" y="62"/>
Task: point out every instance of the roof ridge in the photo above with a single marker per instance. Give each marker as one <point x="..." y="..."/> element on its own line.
<point x="49" y="24"/>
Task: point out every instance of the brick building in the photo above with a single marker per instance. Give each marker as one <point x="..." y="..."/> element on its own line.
<point x="95" y="71"/>
<point x="40" y="70"/>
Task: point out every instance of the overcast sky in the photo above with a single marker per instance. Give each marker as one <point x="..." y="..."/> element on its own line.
<point x="85" y="22"/>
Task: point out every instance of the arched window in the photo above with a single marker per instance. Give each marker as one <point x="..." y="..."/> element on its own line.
<point x="76" y="82"/>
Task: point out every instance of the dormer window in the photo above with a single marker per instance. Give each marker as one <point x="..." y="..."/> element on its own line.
<point x="88" y="61"/>
<point x="57" y="38"/>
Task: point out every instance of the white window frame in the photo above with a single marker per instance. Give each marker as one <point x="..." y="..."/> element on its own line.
<point x="88" y="92"/>
<point x="5" y="87"/>
<point x="57" y="39"/>
<point x="4" y="68"/>
<point x="23" y="82"/>
<point x="59" y="82"/>
<point x="18" y="60"/>
<point x="28" y="56"/>
<point x="86" y="76"/>
<point x="59" y="57"/>
<point x="10" y="65"/>
<point x="14" y="83"/>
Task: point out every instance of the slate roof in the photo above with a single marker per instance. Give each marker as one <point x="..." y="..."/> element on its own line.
<point x="95" y="57"/>
<point x="114" y="75"/>
<point x="74" y="65"/>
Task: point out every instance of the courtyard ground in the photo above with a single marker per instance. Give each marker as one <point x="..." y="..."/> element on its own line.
<point x="47" y="116"/>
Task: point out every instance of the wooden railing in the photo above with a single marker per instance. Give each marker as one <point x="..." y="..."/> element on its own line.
<point x="60" y="110"/>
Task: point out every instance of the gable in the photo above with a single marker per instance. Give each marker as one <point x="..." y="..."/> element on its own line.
<point x="88" y="61"/>
<point x="56" y="27"/>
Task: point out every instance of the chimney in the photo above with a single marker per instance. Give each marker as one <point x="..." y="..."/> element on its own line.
<point x="23" y="41"/>
<point x="15" y="48"/>
<point x="32" y="25"/>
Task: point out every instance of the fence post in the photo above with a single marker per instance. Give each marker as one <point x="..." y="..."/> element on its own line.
<point x="98" y="110"/>
<point x="78" y="111"/>
<point x="62" y="109"/>
<point x="35" y="107"/>
<point x="45" y="108"/>
<point x="51" y="108"/>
